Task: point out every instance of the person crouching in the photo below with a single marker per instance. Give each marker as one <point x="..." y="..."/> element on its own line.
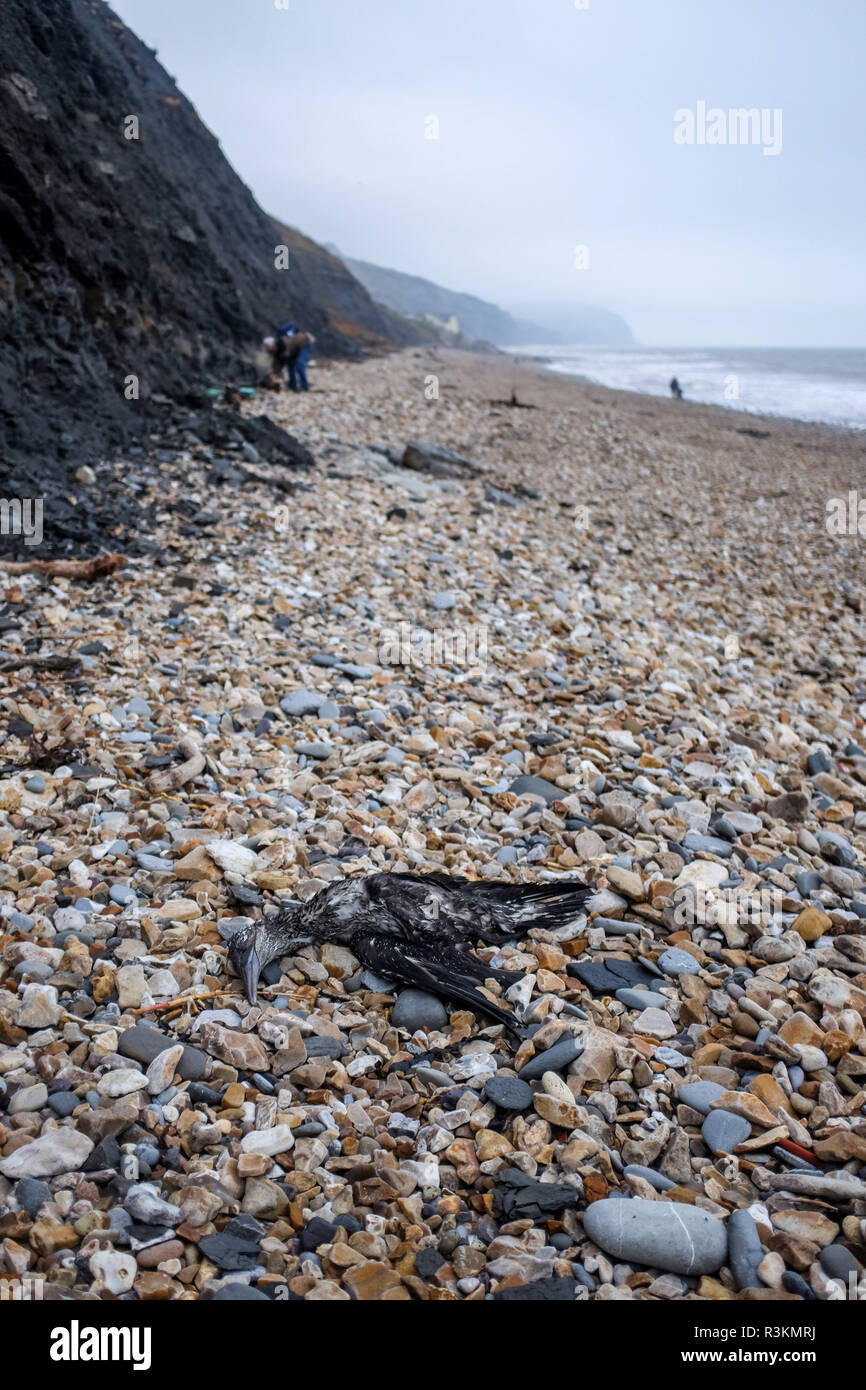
<point x="298" y="351"/>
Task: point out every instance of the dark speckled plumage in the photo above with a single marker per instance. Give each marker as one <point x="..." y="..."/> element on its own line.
<point x="417" y="928"/>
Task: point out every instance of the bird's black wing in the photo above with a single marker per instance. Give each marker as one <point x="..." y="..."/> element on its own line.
<point x="443" y="905"/>
<point x="437" y="967"/>
<point x="503" y="910"/>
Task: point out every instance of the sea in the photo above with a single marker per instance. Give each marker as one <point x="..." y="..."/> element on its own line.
<point x="820" y="384"/>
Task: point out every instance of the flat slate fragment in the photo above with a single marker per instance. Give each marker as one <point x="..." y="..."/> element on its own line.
<point x="519" y="1196"/>
<point x="610" y="975"/>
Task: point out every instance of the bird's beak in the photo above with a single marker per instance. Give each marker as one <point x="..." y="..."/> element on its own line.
<point x="249" y="968"/>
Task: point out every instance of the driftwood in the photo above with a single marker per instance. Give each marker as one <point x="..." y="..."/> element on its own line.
<point x="181" y="1002"/>
<point x="438" y="461"/>
<point x="97" y="568"/>
<point x="40" y="663"/>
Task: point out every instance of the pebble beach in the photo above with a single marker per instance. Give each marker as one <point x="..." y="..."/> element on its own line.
<point x="514" y="627"/>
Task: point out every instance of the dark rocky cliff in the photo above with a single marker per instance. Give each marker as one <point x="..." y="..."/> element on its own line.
<point x="119" y="258"/>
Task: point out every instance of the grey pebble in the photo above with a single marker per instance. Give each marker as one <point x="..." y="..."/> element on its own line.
<point x="656" y="1180"/>
<point x="509" y="1092"/>
<point x="556" y="1058"/>
<point x="664" y="1235"/>
<point x="673" y="961"/>
<point x="415" y="1009"/>
<point x="301" y="702"/>
<point x="700" y="1095"/>
<point x="641" y="999"/>
<point x="723" y="1131"/>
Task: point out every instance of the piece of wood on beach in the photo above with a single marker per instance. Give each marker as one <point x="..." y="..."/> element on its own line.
<point x="99" y="567"/>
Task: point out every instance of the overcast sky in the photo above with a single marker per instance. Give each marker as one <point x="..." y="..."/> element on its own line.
<point x="555" y="130"/>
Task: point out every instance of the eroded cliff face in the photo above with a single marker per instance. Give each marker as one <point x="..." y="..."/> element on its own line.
<point x="129" y="247"/>
<point x="348" y="305"/>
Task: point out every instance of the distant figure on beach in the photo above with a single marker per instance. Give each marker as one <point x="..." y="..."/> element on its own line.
<point x="676" y="389"/>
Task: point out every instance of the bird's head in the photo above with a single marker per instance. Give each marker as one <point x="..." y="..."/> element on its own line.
<point x="256" y="945"/>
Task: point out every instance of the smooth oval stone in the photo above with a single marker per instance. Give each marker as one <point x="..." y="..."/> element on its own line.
<point x="200" y="1094"/>
<point x="641" y="999"/>
<point x="144" y="1044"/>
<point x="700" y="1095"/>
<point x="677" y="962"/>
<point x="509" y="1092"/>
<point x="723" y="1131"/>
<point x="431" y="1076"/>
<point x="745" y="1251"/>
<point x="38" y="970"/>
<point x="665" y="1235"/>
<point x="837" y="1262"/>
<point x="121" y="894"/>
<point x="301" y="702"/>
<point x="535" y="786"/>
<point x="614" y="927"/>
<point x="708" y="844"/>
<point x="416" y="1009"/>
<point x="154" y="863"/>
<point x="64" y="1102"/>
<point x="314" y="750"/>
<point x="656" y="1180"/>
<point x="556" y="1058"/>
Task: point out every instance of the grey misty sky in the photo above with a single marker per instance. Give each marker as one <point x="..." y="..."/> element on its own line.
<point x="556" y="129"/>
